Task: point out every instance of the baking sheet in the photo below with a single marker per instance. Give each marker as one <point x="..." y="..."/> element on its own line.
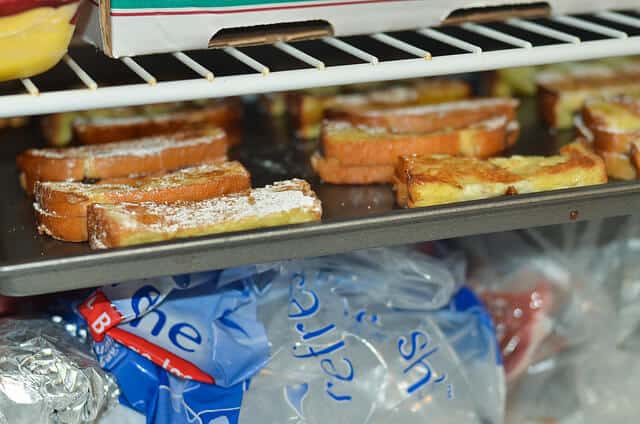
<point x="354" y="216"/>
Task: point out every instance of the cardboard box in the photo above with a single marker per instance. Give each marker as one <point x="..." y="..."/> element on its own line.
<point x="136" y="27"/>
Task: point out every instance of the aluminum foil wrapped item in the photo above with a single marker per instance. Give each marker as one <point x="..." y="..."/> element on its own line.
<point x="46" y="376"/>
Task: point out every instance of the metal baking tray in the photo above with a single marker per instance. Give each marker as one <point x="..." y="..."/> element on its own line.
<point x="355" y="217"/>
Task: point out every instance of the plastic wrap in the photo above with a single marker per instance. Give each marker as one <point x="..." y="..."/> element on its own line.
<point x="564" y="300"/>
<point x="48" y="377"/>
<point x="366" y="337"/>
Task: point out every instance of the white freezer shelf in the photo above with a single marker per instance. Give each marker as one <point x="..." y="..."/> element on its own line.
<point x="522" y="52"/>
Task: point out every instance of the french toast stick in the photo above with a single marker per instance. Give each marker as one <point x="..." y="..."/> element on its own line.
<point x="561" y="93"/>
<point x="437" y="179"/>
<point x="361" y="145"/>
<point x="224" y="114"/>
<point x="613" y="123"/>
<point x="125" y="224"/>
<point x="122" y="123"/>
<point x="120" y="159"/>
<point x="55" y="201"/>
<point x="307" y="109"/>
<point x="332" y="171"/>
<point x="429" y="118"/>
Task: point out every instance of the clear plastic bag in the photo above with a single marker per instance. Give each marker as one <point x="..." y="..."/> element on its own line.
<point x="564" y="300"/>
<point x="372" y="337"/>
<point x="361" y="338"/>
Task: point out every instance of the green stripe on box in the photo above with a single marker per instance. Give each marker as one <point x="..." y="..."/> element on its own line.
<point x="177" y="4"/>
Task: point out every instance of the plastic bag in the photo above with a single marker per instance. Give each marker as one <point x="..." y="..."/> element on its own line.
<point x="370" y="337"/>
<point x="414" y="352"/>
<point x="559" y="300"/>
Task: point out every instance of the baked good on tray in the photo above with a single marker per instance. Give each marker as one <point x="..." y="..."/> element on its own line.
<point x="561" y="93"/>
<point x="437" y="179"/>
<point x="125" y="224"/>
<point x="307" y="108"/>
<point x="612" y="125"/>
<point x="124" y="123"/>
<point x="16" y="122"/>
<point x="135" y="157"/>
<point x="61" y="207"/>
<point x="478" y="128"/>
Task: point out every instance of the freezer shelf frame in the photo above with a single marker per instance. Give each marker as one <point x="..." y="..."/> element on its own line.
<point x="279" y="243"/>
<point x="569" y="47"/>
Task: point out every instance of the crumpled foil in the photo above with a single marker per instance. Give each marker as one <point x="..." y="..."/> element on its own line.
<point x="46" y="376"/>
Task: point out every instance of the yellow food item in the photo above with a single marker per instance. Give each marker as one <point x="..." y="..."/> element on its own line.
<point x="33" y="41"/>
<point x="432" y="180"/>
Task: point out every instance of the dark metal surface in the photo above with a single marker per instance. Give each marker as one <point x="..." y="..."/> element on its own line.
<point x="354" y="217"/>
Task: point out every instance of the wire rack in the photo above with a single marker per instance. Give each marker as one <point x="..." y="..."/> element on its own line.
<point x="88" y="82"/>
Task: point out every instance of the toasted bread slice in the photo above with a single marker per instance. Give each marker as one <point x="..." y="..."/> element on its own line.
<point x="60" y="204"/>
<point x="15" y="122"/>
<point x="120" y="159"/>
<point x="195" y="183"/>
<point x="61" y="227"/>
<point x="308" y="109"/>
<point x="125" y="224"/>
<point x="619" y="165"/>
<point x="57" y="128"/>
<point x="93" y="126"/>
<point x="613" y="123"/>
<point x="100" y="130"/>
<point x="635" y="155"/>
<point x="432" y="180"/>
<point x="361" y="145"/>
<point x="429" y="118"/>
<point x="332" y="171"/>
<point x="563" y="92"/>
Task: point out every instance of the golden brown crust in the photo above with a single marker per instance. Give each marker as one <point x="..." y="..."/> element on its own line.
<point x="198" y="183"/>
<point x="136" y="121"/>
<point x="635" y="155"/>
<point x="547" y="104"/>
<point x="226" y="115"/>
<point x="308" y="109"/>
<point x="61" y="227"/>
<point x="437" y="179"/>
<point x="332" y="171"/>
<point x="429" y="118"/>
<point x="124" y="224"/>
<point x="614" y="123"/>
<point x="352" y="145"/>
<point x="619" y="165"/>
<point x="121" y="159"/>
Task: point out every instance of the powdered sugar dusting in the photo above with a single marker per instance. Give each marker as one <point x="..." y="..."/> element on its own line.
<point x="180" y="178"/>
<point x="130" y="120"/>
<point x="442" y="108"/>
<point x="140" y="147"/>
<point x="257" y="204"/>
<point x="488" y="124"/>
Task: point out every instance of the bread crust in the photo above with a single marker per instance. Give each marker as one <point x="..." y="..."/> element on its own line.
<point x="226" y="115"/>
<point x="429" y="118"/>
<point x="332" y="171"/>
<point x="121" y="159"/>
<point x="352" y="145"/>
<point x="607" y="137"/>
<point x="619" y="165"/>
<point x="123" y="123"/>
<point x="308" y="109"/>
<point x="61" y="208"/>
<point x="124" y="224"/>
<point x="432" y="180"/>
<point x="61" y="227"/>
